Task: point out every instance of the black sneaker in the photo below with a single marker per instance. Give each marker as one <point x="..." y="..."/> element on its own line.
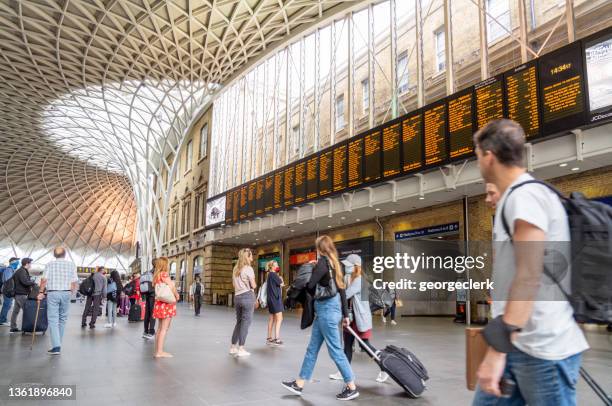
<point x="15" y="330"/>
<point x="83" y="325"/>
<point x="348" y="394"/>
<point x="292" y="387"/>
<point x="54" y="351"/>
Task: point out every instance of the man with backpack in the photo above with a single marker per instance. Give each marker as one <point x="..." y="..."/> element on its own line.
<point x="535" y="345"/>
<point x="7" y="274"/>
<point x="22" y="287"/>
<point x="148" y="296"/>
<point x="195" y="292"/>
<point x="94" y="301"/>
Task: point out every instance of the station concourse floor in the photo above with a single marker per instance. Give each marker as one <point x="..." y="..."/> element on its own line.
<point x="115" y="367"/>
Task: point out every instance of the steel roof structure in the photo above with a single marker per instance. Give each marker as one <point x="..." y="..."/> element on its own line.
<point x="94" y="93"/>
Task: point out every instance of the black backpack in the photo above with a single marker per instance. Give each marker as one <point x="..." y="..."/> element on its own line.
<point x="129" y="289"/>
<point x="8" y="288"/>
<point x="590" y="224"/>
<point x="87" y="286"/>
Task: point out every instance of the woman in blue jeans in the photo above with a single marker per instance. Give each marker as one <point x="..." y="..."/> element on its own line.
<point x="329" y="311"/>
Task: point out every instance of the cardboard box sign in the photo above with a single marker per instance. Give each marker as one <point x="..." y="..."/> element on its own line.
<point x="475" y="350"/>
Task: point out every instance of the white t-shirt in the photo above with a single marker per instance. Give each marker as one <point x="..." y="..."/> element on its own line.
<point x="551" y="332"/>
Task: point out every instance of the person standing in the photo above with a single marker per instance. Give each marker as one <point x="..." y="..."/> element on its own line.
<point x="23" y="286"/>
<point x="244" y="301"/>
<point x="148" y="295"/>
<point x="390" y="310"/>
<point x="8" y="273"/>
<point x="94" y="301"/>
<point x="327" y="287"/>
<point x="59" y="278"/>
<point x="113" y="292"/>
<point x="195" y="292"/>
<point x="533" y="338"/>
<point x="274" y="299"/>
<point x="135" y="296"/>
<point x="162" y="310"/>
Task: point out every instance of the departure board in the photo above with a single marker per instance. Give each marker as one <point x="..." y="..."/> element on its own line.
<point x="489" y="101"/>
<point x="289" y="187"/>
<point x="435" y="134"/>
<point x="561" y="84"/>
<point x="228" y="207"/>
<point x="598" y="65"/>
<point x="300" y="182"/>
<point x="312" y="178"/>
<point x="325" y="173"/>
<point x="391" y="150"/>
<point x="259" y="197"/>
<point x="243" y="202"/>
<point x="251" y="199"/>
<point x="278" y="189"/>
<point x="371" y="157"/>
<point x="355" y="162"/>
<point x="522" y="106"/>
<point x="339" y="168"/>
<point x="412" y="142"/>
<point x="269" y="193"/>
<point x="236" y="205"/>
<point x="460" y="124"/>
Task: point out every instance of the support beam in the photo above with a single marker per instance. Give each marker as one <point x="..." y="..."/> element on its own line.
<point x="484" y="45"/>
<point x="569" y="16"/>
<point x="448" y="45"/>
<point x="393" y="45"/>
<point x="371" y="78"/>
<point x="332" y="84"/>
<point x="522" y="15"/>
<point x="351" y="76"/>
<point x="317" y="90"/>
<point x="419" y="54"/>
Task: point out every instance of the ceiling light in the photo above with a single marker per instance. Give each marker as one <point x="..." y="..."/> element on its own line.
<point x="563" y="165"/>
<point x="575" y="169"/>
<point x="378" y="209"/>
<point x="256" y="239"/>
<point x="292" y="230"/>
<point x="421" y="197"/>
<point x="300" y="222"/>
<point x="357" y="220"/>
<point x="393" y="211"/>
<point x="342" y="218"/>
<point x="269" y="240"/>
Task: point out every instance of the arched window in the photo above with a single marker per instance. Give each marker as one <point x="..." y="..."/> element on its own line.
<point x="173" y="270"/>
<point x="198" y="265"/>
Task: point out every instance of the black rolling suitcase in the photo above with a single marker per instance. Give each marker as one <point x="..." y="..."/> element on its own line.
<point x="29" y="317"/>
<point x="135" y="312"/>
<point x="401" y="365"/>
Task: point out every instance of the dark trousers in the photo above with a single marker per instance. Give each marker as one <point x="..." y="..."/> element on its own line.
<point x="149" y="321"/>
<point x="197" y="304"/>
<point x="93" y="304"/>
<point x="20" y="301"/>
<point x="349" y="339"/>
<point x="391" y="310"/>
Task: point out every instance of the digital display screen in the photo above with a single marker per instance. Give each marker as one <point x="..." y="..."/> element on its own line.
<point x="312" y="178"/>
<point x="229" y="205"/>
<point x="489" y="101"/>
<point x="371" y="153"/>
<point x="391" y="150"/>
<point x="278" y="190"/>
<point x="561" y="83"/>
<point x="325" y="173"/>
<point x="289" y="186"/>
<point x="269" y="193"/>
<point x="521" y="85"/>
<point x="251" y="199"/>
<point x="598" y="57"/>
<point x="243" y="202"/>
<point x="300" y="182"/>
<point x="236" y="206"/>
<point x="460" y="124"/>
<point x="259" y="197"/>
<point x="435" y="134"/>
<point x="355" y="162"/>
<point x="412" y="143"/>
<point x="339" y="165"/>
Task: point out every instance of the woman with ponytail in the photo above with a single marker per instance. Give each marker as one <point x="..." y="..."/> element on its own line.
<point x="327" y="286"/>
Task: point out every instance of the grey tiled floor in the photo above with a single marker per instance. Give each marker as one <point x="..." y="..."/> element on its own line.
<point x="115" y="367"/>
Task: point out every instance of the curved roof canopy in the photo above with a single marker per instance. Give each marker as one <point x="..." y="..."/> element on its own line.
<point x="94" y="93"/>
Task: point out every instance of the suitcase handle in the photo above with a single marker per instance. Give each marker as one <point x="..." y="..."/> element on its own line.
<point x="363" y="345"/>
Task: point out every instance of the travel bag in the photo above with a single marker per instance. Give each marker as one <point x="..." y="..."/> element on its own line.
<point x="30" y="318"/>
<point x="135" y="312"/>
<point x="401" y="365"/>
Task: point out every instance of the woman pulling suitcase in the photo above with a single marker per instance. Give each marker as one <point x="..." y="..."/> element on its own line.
<point x="327" y="288"/>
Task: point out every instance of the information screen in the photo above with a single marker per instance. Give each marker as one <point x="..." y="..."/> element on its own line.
<point x="312" y="178"/>
<point x="339" y="168"/>
<point x="412" y="142"/>
<point x="229" y="205"/>
<point x="435" y="134"/>
<point x="244" y="202"/>
<point x="278" y="190"/>
<point x="561" y="84"/>
<point x="489" y="101"/>
<point x="259" y="198"/>
<point x="289" y="186"/>
<point x="325" y="173"/>
<point x="598" y="57"/>
<point x="252" y="203"/>
<point x="300" y="182"/>
<point x="372" y="157"/>
<point x="355" y="162"/>
<point x="269" y="193"/>
<point x="391" y="150"/>
<point x="460" y="124"/>
<point x="236" y="205"/>
<point x="521" y="85"/>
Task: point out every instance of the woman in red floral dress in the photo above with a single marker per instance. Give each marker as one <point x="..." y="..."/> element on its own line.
<point x="163" y="311"/>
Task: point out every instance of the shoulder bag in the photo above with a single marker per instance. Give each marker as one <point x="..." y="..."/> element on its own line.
<point x="164" y="293"/>
<point x="325" y="292"/>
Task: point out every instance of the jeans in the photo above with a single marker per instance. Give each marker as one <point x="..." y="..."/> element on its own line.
<point x="325" y="327"/>
<point x="111" y="311"/>
<point x="6" y="306"/>
<point x="197" y="304"/>
<point x="57" y="314"/>
<point x="149" y="321"/>
<point x="93" y="304"/>
<point x="19" y="304"/>
<point x="539" y="382"/>
<point x="245" y="306"/>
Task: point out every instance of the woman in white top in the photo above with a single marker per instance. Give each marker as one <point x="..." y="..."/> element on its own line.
<point x="243" y="278"/>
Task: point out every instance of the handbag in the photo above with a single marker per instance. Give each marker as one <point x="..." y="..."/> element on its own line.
<point x="164" y="293"/>
<point x="325" y="292"/>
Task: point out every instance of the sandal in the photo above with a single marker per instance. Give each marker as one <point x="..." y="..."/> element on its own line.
<point x="269" y="341"/>
<point x="277" y="341"/>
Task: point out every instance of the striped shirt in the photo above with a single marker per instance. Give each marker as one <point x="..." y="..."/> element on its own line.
<point x="60" y="274"/>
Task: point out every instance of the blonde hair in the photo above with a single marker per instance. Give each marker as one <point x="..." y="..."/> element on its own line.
<point x="243" y="261"/>
<point x="326" y="247"/>
<point x="270" y="265"/>
<point x="356" y="273"/>
<point x="161" y="265"/>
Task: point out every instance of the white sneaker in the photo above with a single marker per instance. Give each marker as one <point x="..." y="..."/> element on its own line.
<point x="384" y="319"/>
<point x="336" y="377"/>
<point x="382" y="377"/>
<point x="114" y="325"/>
<point x="393" y="322"/>
<point x="108" y="325"/>
<point x="233" y="351"/>
<point x="242" y="353"/>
